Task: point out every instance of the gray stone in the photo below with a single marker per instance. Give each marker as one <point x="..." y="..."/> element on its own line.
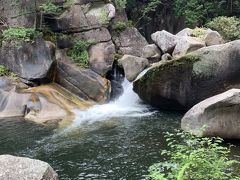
<point x="186" y="45"/>
<point x="101" y="57"/>
<point x="165" y="40"/>
<point x="22" y="168"/>
<point x="185" y="32"/>
<point x="166" y="57"/>
<point x="129" y="41"/>
<point x="83" y="17"/>
<point x="184" y="82"/>
<point x="98" y="35"/>
<point x="216" y="116"/>
<point x="29" y="61"/>
<point x="133" y="66"/>
<point x="213" y="38"/>
<point x="85" y="83"/>
<point x="43" y="104"/>
<point x="151" y="52"/>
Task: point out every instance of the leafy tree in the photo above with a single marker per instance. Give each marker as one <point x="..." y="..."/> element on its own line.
<point x="228" y="27"/>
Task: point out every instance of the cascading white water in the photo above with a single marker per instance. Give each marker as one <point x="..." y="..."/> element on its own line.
<point x="128" y="104"/>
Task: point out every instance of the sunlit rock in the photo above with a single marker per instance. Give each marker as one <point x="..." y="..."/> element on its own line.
<point x="215" y="116"/>
<point x="12" y="167"/>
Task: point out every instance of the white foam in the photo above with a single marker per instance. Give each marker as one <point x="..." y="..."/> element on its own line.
<point x="127" y="105"/>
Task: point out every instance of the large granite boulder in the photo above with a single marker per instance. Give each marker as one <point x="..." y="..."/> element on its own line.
<point x="83" y="17"/>
<point x="151" y="52"/>
<point x="215" y="116"/>
<point x="85" y="83"/>
<point x="165" y="40"/>
<point x="22" y="168"/>
<point x="101" y="57"/>
<point x="209" y="36"/>
<point x="186" y="45"/>
<point x="30" y="61"/>
<point x="129" y="41"/>
<point x="133" y="66"/>
<point x="182" y="83"/>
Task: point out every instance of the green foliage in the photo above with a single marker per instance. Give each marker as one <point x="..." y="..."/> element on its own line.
<point x="6" y="72"/>
<point x="194" y="11"/>
<point x="104" y="16"/>
<point x="198" y="12"/>
<point x="228" y="27"/>
<point x="199" y="32"/>
<point x="49" y="35"/>
<point x="121" y="25"/>
<point x="50" y="8"/>
<point x="20" y="34"/>
<point x="194" y="158"/>
<point x="79" y="53"/>
<point x="121" y="4"/>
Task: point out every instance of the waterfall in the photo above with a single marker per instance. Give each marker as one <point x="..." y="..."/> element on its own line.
<point x="127" y="105"/>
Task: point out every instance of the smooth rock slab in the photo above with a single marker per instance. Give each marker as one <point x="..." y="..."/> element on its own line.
<point x="30" y="61"/>
<point x="215" y="116"/>
<point x="21" y="168"/>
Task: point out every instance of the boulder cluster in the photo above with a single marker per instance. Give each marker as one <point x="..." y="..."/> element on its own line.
<point x="45" y="60"/>
<point x="196" y="65"/>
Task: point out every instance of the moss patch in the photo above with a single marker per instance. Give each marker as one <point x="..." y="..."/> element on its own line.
<point x="166" y="65"/>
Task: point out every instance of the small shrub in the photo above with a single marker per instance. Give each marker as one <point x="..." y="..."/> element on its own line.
<point x="20" y="34"/>
<point x="79" y="53"/>
<point x="104" y="16"/>
<point x="50" y="8"/>
<point x="199" y="32"/>
<point x="121" y="25"/>
<point x="193" y="158"/>
<point x="121" y="4"/>
<point x="6" y="72"/>
<point x="228" y="27"/>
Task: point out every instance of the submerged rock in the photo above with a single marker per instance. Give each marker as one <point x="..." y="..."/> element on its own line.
<point x="133" y="66"/>
<point x="22" y="168"/>
<point x="215" y="116"/>
<point x="30" y="61"/>
<point x="182" y="83"/>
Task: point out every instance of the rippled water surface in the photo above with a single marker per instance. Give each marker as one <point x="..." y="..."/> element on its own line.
<point x="118" y="148"/>
<point x="119" y="140"/>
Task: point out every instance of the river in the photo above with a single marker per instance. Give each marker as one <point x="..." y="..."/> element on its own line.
<point x="118" y="140"/>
